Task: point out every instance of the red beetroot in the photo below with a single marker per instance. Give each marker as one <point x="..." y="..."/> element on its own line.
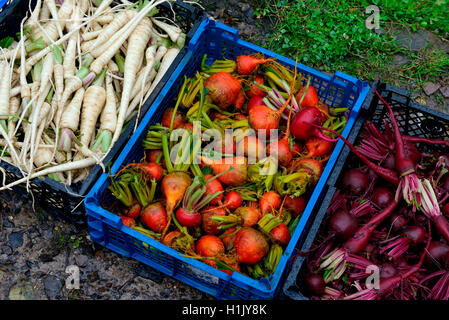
<point x="343" y="224"/>
<point x="295" y="205"/>
<point x="254" y="101"/>
<point x="233" y="200"/>
<point x="166" y="118"/>
<point x="245" y="64"/>
<point x="127" y="221"/>
<point x="209" y="226"/>
<point x="388" y="174"/>
<point x="315" y="284"/>
<point x="269" y="202"/>
<point x="445" y="209"/>
<point x="301" y="128"/>
<point x="397" y="221"/>
<point x="188" y="218"/>
<point x="310" y="99"/>
<point x="153" y="216"/>
<point x="224" y="88"/>
<point x="355" y="181"/>
<point x="280" y="234"/>
<point x="415" y="234"/>
<point x="360" y="238"/>
<point x="254" y="91"/>
<point x="213" y="187"/>
<point x="382" y="196"/>
<point x="438" y="251"/>
<point x="251" y="245"/>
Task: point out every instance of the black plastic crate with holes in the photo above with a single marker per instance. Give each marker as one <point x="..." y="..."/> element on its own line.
<point x="413" y="120"/>
<point x="67" y="201"/>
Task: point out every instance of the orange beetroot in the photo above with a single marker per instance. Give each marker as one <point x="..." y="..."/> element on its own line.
<point x="280" y="150"/>
<point x="174" y="186"/>
<point x="249" y="215"/>
<point x="224" y="89"/>
<point x="133" y="211"/>
<point x="166" y="118"/>
<point x="209" y="246"/>
<point x="269" y="202"/>
<point x="153" y="216"/>
<point x="317" y="147"/>
<point x="235" y="177"/>
<point x="233" y="200"/>
<point x="245" y="64"/>
<point x="127" y="221"/>
<point x="209" y="226"/>
<point x="213" y="187"/>
<point x="254" y="91"/>
<point x="250" y="245"/>
<point x="310" y="99"/>
<point x="251" y="147"/>
<point x="281" y="234"/>
<point x="228" y="237"/>
<point x="254" y="101"/>
<point x="170" y="238"/>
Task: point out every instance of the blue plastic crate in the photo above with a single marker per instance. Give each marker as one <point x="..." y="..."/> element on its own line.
<point x="217" y="41"/>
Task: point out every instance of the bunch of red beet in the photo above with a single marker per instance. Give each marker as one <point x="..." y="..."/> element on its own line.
<point x="374" y="242"/>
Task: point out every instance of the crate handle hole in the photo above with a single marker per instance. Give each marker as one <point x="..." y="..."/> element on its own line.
<point x="433" y="127"/>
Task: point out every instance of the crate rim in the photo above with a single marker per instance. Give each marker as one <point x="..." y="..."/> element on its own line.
<point x="275" y="278"/>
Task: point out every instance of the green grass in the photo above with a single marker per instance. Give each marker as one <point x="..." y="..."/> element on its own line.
<point x="331" y="35"/>
<point x="430" y="15"/>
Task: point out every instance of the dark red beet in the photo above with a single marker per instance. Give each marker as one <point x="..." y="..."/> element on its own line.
<point x="281" y="234"/>
<point x="343" y="224"/>
<point x="387" y="270"/>
<point x="389" y="162"/>
<point x="437" y="252"/>
<point x="398" y="221"/>
<point x="355" y="181"/>
<point x="295" y="205"/>
<point x="445" y="209"/>
<point x="382" y="196"/>
<point x="315" y="284"/>
<point x="445" y="183"/>
<point x="416" y="234"/>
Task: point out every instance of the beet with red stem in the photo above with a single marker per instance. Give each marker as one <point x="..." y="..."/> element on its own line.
<point x="361" y="237"/>
<point x="342" y="224"/>
<point x="355" y="181"/>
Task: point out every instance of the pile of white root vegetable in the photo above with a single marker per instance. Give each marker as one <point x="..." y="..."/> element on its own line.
<point x="76" y="73"/>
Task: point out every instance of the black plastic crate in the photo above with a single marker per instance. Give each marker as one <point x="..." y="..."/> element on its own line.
<point x="67" y="201"/>
<point x="413" y="120"/>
